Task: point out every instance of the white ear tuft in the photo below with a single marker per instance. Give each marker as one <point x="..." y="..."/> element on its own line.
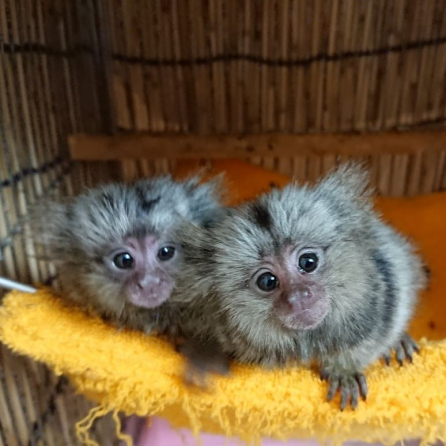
<point x="351" y="179"/>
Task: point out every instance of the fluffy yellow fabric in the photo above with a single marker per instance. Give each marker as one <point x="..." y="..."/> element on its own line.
<point x="142" y="375"/>
<point x="138" y="374"/>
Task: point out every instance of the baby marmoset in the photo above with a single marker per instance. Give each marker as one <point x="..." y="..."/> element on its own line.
<point x="305" y="273"/>
<point x="113" y="248"/>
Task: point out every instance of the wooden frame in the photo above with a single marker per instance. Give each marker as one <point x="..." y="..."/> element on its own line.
<point x="150" y="146"/>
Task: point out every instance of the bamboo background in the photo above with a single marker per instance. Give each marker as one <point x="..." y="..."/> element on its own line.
<point x="292" y="66"/>
<point x="197" y="67"/>
<point x="45" y="89"/>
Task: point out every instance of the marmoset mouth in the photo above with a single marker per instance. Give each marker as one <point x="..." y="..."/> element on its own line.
<point x="152" y="297"/>
<point x="305" y="318"/>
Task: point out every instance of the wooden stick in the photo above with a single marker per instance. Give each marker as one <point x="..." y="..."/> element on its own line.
<point x="149" y="146"/>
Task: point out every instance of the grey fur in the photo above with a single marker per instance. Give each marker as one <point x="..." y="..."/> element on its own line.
<point x="371" y="274"/>
<point x="75" y="234"/>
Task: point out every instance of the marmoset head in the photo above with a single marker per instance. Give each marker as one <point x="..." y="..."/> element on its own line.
<point x="294" y="255"/>
<point x="112" y="244"/>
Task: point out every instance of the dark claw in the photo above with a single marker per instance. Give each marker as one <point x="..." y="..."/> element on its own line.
<point x="355" y="394"/>
<point x="387" y="358"/>
<point x="324" y="375"/>
<point x="362" y="385"/>
<point x="334" y="386"/>
<point x="400" y="354"/>
<point x="345" y="392"/>
<point x="410" y="346"/>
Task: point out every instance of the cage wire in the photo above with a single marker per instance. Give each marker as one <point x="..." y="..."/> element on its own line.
<point x="198" y="67"/>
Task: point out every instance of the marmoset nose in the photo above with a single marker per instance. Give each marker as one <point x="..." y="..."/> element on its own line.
<point x="300" y="293"/>
<point x="149" y="281"/>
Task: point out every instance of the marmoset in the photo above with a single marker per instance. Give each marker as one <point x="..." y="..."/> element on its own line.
<point x="307" y="274"/>
<point x="113" y="248"/>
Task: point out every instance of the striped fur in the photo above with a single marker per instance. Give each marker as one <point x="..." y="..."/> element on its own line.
<point x="371" y="275"/>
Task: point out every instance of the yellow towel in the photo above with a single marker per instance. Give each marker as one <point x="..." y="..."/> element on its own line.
<point x="138" y="374"/>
